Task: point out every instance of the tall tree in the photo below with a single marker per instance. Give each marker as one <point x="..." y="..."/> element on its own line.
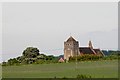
<point x="31" y="52"/>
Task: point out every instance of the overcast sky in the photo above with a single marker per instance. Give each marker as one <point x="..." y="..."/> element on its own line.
<point x="47" y="25"/>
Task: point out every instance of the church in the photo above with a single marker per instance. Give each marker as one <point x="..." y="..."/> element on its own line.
<point x="71" y="48"/>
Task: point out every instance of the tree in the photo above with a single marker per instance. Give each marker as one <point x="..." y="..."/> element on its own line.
<point x="13" y="61"/>
<point x="31" y="52"/>
<point x="4" y="63"/>
<point x="50" y="57"/>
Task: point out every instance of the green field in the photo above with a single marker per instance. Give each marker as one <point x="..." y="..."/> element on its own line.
<point x="96" y="69"/>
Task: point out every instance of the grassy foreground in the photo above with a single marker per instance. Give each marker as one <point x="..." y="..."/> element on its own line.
<point x="96" y="69"/>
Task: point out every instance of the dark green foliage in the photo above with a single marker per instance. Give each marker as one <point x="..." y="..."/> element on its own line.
<point x="89" y="57"/>
<point x="85" y="57"/>
<point x="39" y="61"/>
<point x="4" y="63"/>
<point x="13" y="61"/>
<point x="50" y="57"/>
<point x="112" y="52"/>
<point x="46" y="59"/>
<point x="31" y="52"/>
<point x="111" y="57"/>
<point x="109" y="52"/>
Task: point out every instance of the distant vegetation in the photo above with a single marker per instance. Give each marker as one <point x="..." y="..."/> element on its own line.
<point x="86" y="57"/>
<point x="109" y="52"/>
<point x="31" y="55"/>
<point x="109" y="55"/>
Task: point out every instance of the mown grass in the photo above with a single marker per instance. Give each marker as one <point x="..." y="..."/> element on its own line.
<point x="95" y="69"/>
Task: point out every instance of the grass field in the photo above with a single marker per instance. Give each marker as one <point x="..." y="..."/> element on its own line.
<point x="96" y="69"/>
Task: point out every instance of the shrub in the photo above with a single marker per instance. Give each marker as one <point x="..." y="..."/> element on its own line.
<point x="4" y="63"/>
<point x="40" y="62"/>
<point x="13" y="61"/>
<point x="85" y="57"/>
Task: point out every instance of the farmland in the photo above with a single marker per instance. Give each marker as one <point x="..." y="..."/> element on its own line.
<point x="96" y="69"/>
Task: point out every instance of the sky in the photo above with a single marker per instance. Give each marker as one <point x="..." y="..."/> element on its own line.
<point x="47" y="25"/>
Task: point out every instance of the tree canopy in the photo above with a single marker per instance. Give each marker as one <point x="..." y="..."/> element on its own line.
<point x="31" y="52"/>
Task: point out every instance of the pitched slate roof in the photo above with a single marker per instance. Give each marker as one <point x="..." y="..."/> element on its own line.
<point x="86" y="50"/>
<point x="98" y="51"/>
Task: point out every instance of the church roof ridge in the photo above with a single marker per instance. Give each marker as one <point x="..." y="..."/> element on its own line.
<point x="71" y="39"/>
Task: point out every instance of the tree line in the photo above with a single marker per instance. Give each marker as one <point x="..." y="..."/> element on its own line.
<point x="89" y="57"/>
<point x="32" y="55"/>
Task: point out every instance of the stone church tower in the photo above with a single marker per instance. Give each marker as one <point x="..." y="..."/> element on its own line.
<point x="71" y="48"/>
